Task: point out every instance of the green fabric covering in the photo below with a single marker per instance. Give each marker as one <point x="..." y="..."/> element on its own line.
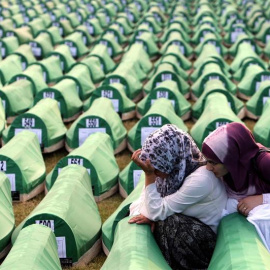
<point x="75" y="44"/>
<point x="250" y="83"/>
<point x="129" y="178"/>
<point x="212" y="71"/>
<point x="64" y="54"/>
<point x="36" y="26"/>
<point x="180" y="19"/>
<point x="81" y="75"/>
<point x="264" y="33"/>
<point x="132" y="64"/>
<point x="100" y="117"/>
<point x="37" y="246"/>
<point x="65" y="27"/>
<point x="158" y="14"/>
<point x="54" y="34"/>
<point x="199" y="36"/>
<point x="160" y="113"/>
<point x="51" y="67"/>
<point x="207" y="20"/>
<point x="43" y="119"/>
<point x="134" y="248"/>
<point x="261" y="130"/>
<point x="87" y="38"/>
<point x="254" y="20"/>
<point x="238" y="246"/>
<point x="244" y="51"/>
<point x="152" y="23"/>
<point x="6" y="73"/>
<point x="65" y="92"/>
<point x="73" y="19"/>
<point x="258" y="25"/>
<point x="234" y="32"/>
<point x="169" y="90"/>
<point x="115" y="30"/>
<point x="16" y="155"/>
<point x="94" y="65"/>
<point x="101" y="51"/>
<point x="2" y="117"/>
<point x="142" y="28"/>
<point x="8" y="45"/>
<point x="113" y="47"/>
<point x="116" y="93"/>
<point x="216" y="86"/>
<point x="125" y="28"/>
<point x="46" y="18"/>
<point x="109" y="226"/>
<point x="266" y="50"/>
<point x="229" y="14"/>
<point x="101" y="16"/>
<point x="127" y="77"/>
<point x="23" y="34"/>
<point x="11" y="93"/>
<point x="149" y="44"/>
<point x="137" y="53"/>
<point x="110" y="10"/>
<point x="210" y="51"/>
<point x="7" y="218"/>
<point x="26" y="55"/>
<point x="18" y="21"/>
<point x="164" y="72"/>
<point x="256" y="103"/>
<point x="82" y="13"/>
<point x="216" y="112"/>
<point x="76" y="218"/>
<point x="41" y="45"/>
<point x="173" y="49"/>
<point x="203" y="11"/>
<point x="5" y="25"/>
<point x="175" y="38"/>
<point x="211" y="39"/>
<point x="34" y="74"/>
<point x="96" y="155"/>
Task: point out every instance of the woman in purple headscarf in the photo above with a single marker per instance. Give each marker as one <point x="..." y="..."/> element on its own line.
<point x="183" y="198"/>
<point x="243" y="164"/>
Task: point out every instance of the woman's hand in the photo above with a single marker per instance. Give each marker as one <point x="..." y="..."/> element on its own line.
<point x="140" y="219"/>
<point x="146" y="166"/>
<point x="247" y="204"/>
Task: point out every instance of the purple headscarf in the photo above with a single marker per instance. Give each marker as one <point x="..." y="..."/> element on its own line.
<point x="234" y="146"/>
<point x="174" y="152"/>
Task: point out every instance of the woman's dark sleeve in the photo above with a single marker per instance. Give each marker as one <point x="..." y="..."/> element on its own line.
<point x="263" y="163"/>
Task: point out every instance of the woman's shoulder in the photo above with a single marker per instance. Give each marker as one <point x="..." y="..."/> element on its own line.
<point x="202" y="174"/>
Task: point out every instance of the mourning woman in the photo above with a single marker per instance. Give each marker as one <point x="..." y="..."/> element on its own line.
<point x="181" y="197"/>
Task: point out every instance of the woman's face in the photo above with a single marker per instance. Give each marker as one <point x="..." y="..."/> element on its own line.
<point x="218" y="169"/>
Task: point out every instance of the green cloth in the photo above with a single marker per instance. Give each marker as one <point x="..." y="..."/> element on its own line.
<point x="115" y="29"/>
<point x="6" y="73"/>
<point x="64" y="54"/>
<point x="7" y="218"/>
<point x="26" y="55"/>
<point x="199" y="36"/>
<point x="203" y="11"/>
<point x="212" y="71"/>
<point x="168" y="90"/>
<point x="2" y="116"/>
<point x="160" y="113"/>
<point x="238" y="246"/>
<point x="151" y="22"/>
<point x="34" y="74"/>
<point x="100" y="117"/>
<point x="207" y="20"/>
<point x="96" y="155"/>
<point x="142" y="28"/>
<point x="37" y="246"/>
<point x="94" y="27"/>
<point x="8" y="45"/>
<point x="76" y="219"/>
<point x="23" y="161"/>
<point x="109" y="226"/>
<point x="51" y="67"/>
<point x="101" y="51"/>
<point x="164" y="72"/>
<point x="23" y="34"/>
<point x="73" y="19"/>
<point x="257" y="102"/>
<point x="230" y="13"/>
<point x="129" y="178"/>
<point x="11" y="93"/>
<point x="134" y="248"/>
<point x="113" y="47"/>
<point x="17" y="20"/>
<point x="125" y="28"/>
<point x="261" y="129"/>
<point x="87" y="38"/>
<point x="42" y="45"/>
<point x="54" y="34"/>
<point x="216" y="86"/>
<point x="266" y="49"/>
<point x="45" y="121"/>
<point x="65" y="92"/>
<point x="46" y="18"/>
<point x="5" y="25"/>
<point x="250" y="83"/>
<point x="179" y="18"/>
<point x="116" y="93"/>
<point x="216" y="112"/>
<point x="264" y="34"/>
<point x="234" y="32"/>
<point x="80" y="73"/>
<point x="36" y="26"/>
<point x="65" y="27"/>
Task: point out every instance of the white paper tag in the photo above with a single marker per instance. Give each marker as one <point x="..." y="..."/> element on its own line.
<point x="219" y="124"/>
<point x="154" y="121"/>
<point x="12" y="180"/>
<point x="114" y="80"/>
<point x="92" y="122"/>
<point x="136" y="177"/>
<point x="162" y="94"/>
<point x="61" y="246"/>
<point x="84" y="133"/>
<point x="78" y="161"/>
<point x="28" y="122"/>
<point x="47" y="223"/>
<point x="48" y="95"/>
<point x="166" y="77"/>
<point x="145" y="131"/>
<point x="3" y="166"/>
<point x="4" y="104"/>
<point x="265" y="99"/>
<point x="107" y="93"/>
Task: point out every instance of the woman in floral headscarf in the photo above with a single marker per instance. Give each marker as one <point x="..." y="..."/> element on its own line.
<point x="183" y="197"/>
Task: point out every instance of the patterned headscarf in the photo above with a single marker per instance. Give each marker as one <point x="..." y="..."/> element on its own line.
<point x="172" y="151"/>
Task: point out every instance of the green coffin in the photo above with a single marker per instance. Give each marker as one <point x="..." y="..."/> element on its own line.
<point x="160" y="113"/>
<point x="44" y="119"/>
<point x="37" y="245"/>
<point x="264" y="34"/>
<point x="97" y="156"/>
<point x="113" y="47"/>
<point x="75" y="221"/>
<point x="8" y="45"/>
<point x="54" y="34"/>
<point x="26" y="54"/>
<point x="101" y="117"/>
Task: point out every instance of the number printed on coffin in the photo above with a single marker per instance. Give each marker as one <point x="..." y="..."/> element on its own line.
<point x="47" y="223"/>
<point x="28" y="122"/>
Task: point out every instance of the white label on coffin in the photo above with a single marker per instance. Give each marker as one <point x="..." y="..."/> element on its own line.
<point x="1" y="32"/>
<point x="38" y="132"/>
<point x="84" y="133"/>
<point x="162" y="94"/>
<point x="20" y="78"/>
<point x="265" y="99"/>
<point x="114" y="80"/>
<point x="213" y="78"/>
<point x="84" y="40"/>
<point x="4" y="103"/>
<point x="103" y="42"/>
<point x="181" y="48"/>
<point x="47" y="223"/>
<point x="36" y="51"/>
<point x="61" y="246"/>
<point x="219" y="124"/>
<point x="90" y="29"/>
<point x="3" y="166"/>
<point x="73" y="51"/>
<point x="236" y="33"/>
<point x="3" y="52"/>
<point x="263" y="78"/>
<point x="166" y="77"/>
<point x="267" y="38"/>
<point x="136" y="177"/>
<point x="92" y="123"/>
<point x="28" y="122"/>
<point x="78" y="161"/>
<point x="107" y="93"/>
<point x="155" y="121"/>
<point x="145" y="131"/>
<point x="12" y="180"/>
<point x="109" y="49"/>
<point x="44" y="76"/>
